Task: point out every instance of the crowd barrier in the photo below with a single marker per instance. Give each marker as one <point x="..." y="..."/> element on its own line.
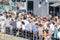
<point x="23" y="33"/>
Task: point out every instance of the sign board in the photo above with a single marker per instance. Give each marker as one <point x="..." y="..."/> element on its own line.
<point x="53" y="0"/>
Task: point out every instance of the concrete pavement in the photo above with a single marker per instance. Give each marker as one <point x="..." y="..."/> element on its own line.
<point x="10" y="37"/>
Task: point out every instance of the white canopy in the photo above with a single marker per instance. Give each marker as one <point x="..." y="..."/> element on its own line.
<point x="55" y="4"/>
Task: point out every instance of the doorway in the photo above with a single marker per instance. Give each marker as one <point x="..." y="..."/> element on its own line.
<point x="54" y="10"/>
<point x="30" y="7"/>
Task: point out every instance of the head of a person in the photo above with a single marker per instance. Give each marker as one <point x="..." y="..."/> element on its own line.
<point x="36" y="25"/>
<point x="31" y="22"/>
<point x="40" y="25"/>
<point x="19" y="18"/>
<point x="0" y="1"/>
<point x="55" y="26"/>
<point x="23" y="17"/>
<point x="55" y="19"/>
<point x="4" y="14"/>
<point x="45" y="19"/>
<point x="48" y="27"/>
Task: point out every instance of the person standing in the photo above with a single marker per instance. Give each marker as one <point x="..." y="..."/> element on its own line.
<point x="40" y="31"/>
<point x="2" y="19"/>
<point x="18" y="25"/>
<point x="55" y="32"/>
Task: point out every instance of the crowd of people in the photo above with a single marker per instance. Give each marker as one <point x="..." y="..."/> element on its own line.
<point x="33" y="27"/>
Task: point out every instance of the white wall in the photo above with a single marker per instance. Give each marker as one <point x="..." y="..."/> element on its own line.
<point x="42" y="11"/>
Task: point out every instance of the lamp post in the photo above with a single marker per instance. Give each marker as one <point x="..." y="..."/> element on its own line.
<point x="47" y="1"/>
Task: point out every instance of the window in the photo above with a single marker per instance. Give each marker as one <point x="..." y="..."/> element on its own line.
<point x="13" y="0"/>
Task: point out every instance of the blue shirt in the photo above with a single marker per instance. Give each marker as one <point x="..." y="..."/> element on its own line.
<point x="34" y="28"/>
<point x="55" y="33"/>
<point x="29" y="27"/>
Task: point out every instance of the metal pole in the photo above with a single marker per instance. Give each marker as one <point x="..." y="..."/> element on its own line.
<point x="26" y="5"/>
<point x="47" y="7"/>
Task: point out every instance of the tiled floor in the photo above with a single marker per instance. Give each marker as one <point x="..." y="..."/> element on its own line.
<point x="10" y="37"/>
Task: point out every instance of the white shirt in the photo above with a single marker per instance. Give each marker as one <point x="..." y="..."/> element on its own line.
<point x="51" y="26"/>
<point x="26" y="22"/>
<point x="7" y="23"/>
<point x="18" y="24"/>
<point x="58" y="35"/>
<point x="2" y="20"/>
<point x="23" y="27"/>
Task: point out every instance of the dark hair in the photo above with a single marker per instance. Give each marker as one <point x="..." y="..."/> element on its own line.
<point x="36" y="24"/>
<point x="48" y="26"/>
<point x="22" y="22"/>
<point x="44" y="18"/>
<point x="46" y="30"/>
<point x="4" y="12"/>
<point x="40" y="25"/>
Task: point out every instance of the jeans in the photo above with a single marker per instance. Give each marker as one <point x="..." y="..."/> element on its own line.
<point x="34" y="37"/>
<point x="14" y="31"/>
<point x="23" y="33"/>
<point x="8" y="30"/>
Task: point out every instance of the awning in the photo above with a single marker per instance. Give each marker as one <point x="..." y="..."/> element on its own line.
<point x="55" y="4"/>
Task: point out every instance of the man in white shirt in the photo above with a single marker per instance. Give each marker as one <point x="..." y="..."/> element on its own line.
<point x="51" y="26"/>
<point x="23" y="29"/>
<point x="18" y="25"/>
<point x="58" y="34"/>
